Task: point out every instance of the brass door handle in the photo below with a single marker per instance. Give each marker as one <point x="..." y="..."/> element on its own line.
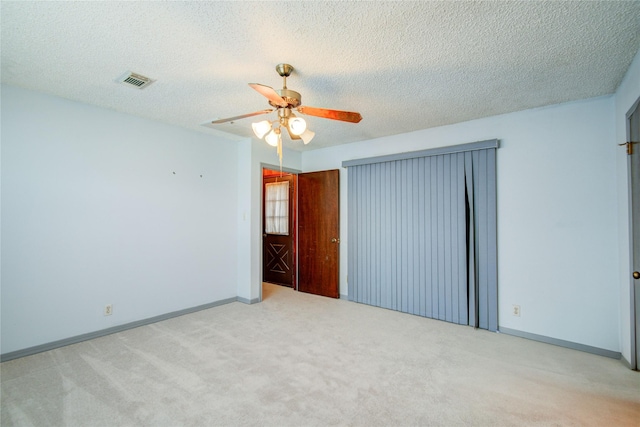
<point x="629" y="146"/>
<point x="334" y="240"/>
<point x="636" y="275"/>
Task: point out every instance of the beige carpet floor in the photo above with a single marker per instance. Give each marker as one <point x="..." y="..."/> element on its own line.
<point x="301" y="360"/>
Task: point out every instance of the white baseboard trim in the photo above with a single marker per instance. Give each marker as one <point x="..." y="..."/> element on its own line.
<point x="562" y="343"/>
<point x="91" y="335"/>
<point x="248" y="301"/>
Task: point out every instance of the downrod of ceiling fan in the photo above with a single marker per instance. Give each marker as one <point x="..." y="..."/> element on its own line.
<point x="285" y="71"/>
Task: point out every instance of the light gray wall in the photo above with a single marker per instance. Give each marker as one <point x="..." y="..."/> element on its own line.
<point x="557" y="216"/>
<point x="92" y="214"/>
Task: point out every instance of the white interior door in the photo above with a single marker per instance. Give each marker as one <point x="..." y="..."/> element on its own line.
<point x="634" y="170"/>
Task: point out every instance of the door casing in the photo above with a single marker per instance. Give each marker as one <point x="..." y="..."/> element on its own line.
<point x="279" y="251"/>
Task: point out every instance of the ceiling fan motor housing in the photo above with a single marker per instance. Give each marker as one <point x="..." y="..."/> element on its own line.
<point x="291" y="97"/>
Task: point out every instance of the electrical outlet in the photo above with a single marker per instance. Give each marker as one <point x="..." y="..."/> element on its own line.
<point x="108" y="310"/>
<point x="516" y="310"/>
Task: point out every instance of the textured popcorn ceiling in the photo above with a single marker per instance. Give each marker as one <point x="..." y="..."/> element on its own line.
<point x="403" y="65"/>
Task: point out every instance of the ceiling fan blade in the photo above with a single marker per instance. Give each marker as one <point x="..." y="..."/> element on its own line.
<point x="230" y="119"/>
<point x="345" y="116"/>
<point x="269" y="93"/>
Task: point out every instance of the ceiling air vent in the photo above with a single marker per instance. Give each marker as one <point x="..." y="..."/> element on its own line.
<point x="134" y="80"/>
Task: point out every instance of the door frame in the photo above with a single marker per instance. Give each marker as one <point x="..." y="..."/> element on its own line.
<point x="270" y="167"/>
<point x="633" y="309"/>
<point x="297" y="173"/>
<point x="292" y="236"/>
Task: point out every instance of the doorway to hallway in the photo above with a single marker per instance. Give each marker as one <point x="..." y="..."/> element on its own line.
<point x="300" y="230"/>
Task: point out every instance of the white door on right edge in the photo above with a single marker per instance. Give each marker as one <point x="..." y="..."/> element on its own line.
<point x="634" y="134"/>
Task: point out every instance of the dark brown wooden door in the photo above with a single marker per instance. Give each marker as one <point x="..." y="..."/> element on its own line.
<point x="278" y="252"/>
<point x="319" y="233"/>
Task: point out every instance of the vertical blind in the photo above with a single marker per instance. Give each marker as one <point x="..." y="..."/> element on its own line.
<point x="422" y="233"/>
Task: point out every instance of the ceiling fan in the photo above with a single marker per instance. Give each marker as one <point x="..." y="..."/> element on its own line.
<point x="285" y="101"/>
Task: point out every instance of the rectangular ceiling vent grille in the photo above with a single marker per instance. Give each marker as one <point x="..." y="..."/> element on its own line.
<point x="134" y="80"/>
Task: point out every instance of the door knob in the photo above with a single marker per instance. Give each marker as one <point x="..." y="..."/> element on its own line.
<point x="636" y="275"/>
<point x="334" y="240"/>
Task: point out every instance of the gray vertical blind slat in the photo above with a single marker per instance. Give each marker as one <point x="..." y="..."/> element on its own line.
<point x="369" y="276"/>
<point x="492" y="239"/>
<point x="452" y="295"/>
<point x="472" y="285"/>
<point x="433" y="238"/>
<point x="446" y="241"/>
<point x="405" y="203"/>
<point x="362" y="262"/>
<point x="386" y="249"/>
<point x="441" y="249"/>
<point x="375" y="225"/>
<point x="421" y="305"/>
<point x="351" y="232"/>
<point x="366" y="207"/>
<point x="393" y="227"/>
<point x="428" y="258"/>
<point x="414" y="290"/>
<point x="462" y="292"/>
<point x="354" y="234"/>
<point x="383" y="238"/>
<point x="481" y="215"/>
<point x="352" y="219"/>
<point x="408" y="236"/>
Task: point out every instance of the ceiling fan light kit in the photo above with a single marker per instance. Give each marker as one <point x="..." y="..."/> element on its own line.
<point x="297" y="126"/>
<point x="284" y="101"/>
<point x="261" y="128"/>
<point x="274" y="138"/>
<point x="307" y="136"/>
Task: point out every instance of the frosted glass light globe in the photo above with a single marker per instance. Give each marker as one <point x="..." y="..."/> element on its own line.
<point x="297" y="126"/>
<point x="261" y="128"/>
